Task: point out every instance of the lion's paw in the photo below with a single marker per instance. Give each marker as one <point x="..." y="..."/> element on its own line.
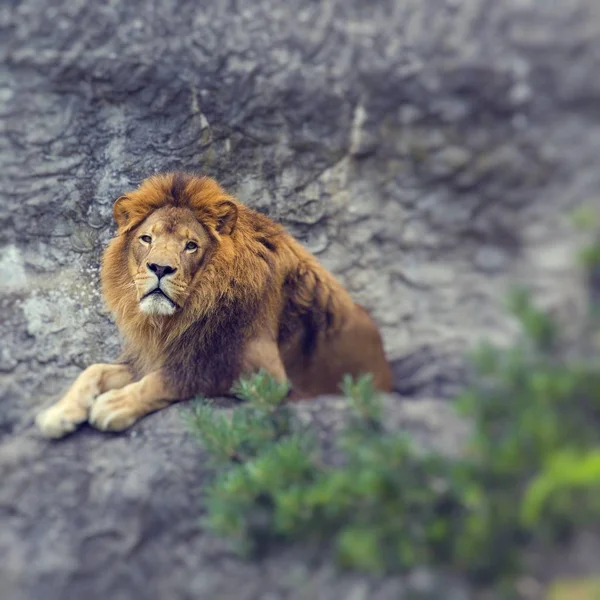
<point x="112" y="411"/>
<point x="59" y="420"/>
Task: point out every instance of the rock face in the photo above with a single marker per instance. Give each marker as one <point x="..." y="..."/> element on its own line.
<point x="426" y="150"/>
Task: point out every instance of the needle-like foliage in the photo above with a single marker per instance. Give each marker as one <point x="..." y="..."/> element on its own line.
<point x="528" y="476"/>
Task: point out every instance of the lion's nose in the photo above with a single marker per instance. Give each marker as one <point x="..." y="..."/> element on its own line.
<point x="161" y="270"/>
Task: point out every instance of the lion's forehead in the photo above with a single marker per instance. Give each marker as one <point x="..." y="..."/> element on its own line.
<point x="179" y="222"/>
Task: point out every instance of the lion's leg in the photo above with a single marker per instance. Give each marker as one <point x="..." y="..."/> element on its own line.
<point x="73" y="408"/>
<point x="263" y="353"/>
<point x="118" y="409"/>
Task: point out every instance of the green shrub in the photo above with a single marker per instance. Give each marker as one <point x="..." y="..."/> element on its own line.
<point x="529" y="475"/>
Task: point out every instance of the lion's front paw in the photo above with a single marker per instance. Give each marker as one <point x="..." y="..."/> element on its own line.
<point x="59" y="420"/>
<point x="113" y="411"/>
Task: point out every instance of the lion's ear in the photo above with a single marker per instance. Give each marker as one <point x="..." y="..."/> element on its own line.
<point x="227" y="214"/>
<point x="120" y="212"/>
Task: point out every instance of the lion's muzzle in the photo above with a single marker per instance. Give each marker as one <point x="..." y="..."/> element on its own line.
<point x="157" y="300"/>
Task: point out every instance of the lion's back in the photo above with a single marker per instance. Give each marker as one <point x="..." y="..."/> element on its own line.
<point x="324" y="334"/>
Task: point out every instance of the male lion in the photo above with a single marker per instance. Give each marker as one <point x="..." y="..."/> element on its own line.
<point x="203" y="290"/>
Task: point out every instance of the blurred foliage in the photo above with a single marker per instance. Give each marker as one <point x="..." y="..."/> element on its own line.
<point x="575" y="589"/>
<point x="529" y="476"/>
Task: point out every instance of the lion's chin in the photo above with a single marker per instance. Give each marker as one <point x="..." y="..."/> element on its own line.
<point x="157" y="304"/>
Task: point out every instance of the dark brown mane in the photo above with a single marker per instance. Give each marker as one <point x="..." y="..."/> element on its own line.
<point x="229" y="289"/>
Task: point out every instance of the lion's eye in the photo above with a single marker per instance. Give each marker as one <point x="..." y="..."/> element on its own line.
<point x="146" y="239"/>
<point x="191" y="246"/>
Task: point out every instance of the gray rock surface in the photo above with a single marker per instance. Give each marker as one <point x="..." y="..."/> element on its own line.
<point x="426" y="150"/>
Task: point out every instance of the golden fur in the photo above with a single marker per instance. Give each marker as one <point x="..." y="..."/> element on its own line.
<point x="203" y="290"/>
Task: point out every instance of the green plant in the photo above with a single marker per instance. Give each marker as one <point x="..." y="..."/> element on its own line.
<point x="529" y="474"/>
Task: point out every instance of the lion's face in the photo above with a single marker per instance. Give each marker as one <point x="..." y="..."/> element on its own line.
<point x="166" y="250"/>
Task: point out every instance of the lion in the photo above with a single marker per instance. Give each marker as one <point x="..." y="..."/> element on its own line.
<point x="205" y="290"/>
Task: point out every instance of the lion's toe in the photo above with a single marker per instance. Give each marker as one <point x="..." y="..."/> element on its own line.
<point x="58" y="421"/>
<point x="112" y="412"/>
